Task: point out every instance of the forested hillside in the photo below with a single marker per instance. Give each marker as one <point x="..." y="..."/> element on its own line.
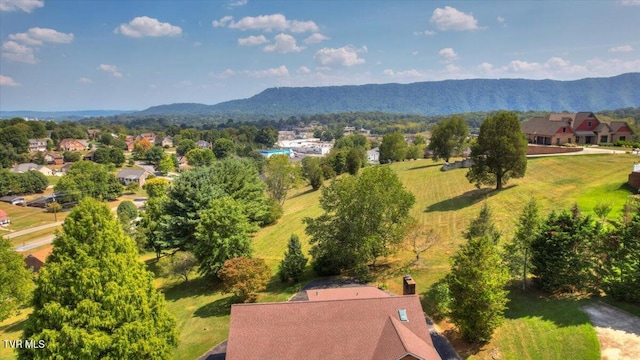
<point x="430" y="98"/>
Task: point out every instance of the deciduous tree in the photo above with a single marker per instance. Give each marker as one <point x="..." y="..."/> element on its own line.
<point x="86" y="178"/>
<point x="393" y="147"/>
<point x="94" y="298"/>
<point x="280" y="176"/>
<point x="15" y="280"/>
<point x="312" y="171"/>
<point x="245" y="277"/>
<point x="500" y="153"/>
<point x="448" y="137"/>
<point x="223" y="233"/>
<point x="364" y="218"/>
<point x="200" y="157"/>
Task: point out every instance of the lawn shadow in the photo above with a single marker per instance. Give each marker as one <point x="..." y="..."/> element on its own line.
<point x="467" y="199"/>
<point x="628" y="188"/>
<point x="199" y="286"/>
<point x="308" y="191"/>
<point x="218" y="308"/>
<point x="424" y="166"/>
<point x="17" y="325"/>
<point x="533" y="303"/>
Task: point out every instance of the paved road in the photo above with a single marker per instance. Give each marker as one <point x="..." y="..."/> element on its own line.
<point x="35" y="244"/>
<point x="30" y="230"/>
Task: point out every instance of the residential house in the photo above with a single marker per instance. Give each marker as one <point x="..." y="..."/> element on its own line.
<point x="167" y="142"/>
<point x="149" y="136"/>
<point x="579" y="128"/>
<point x="93" y="133"/>
<point x="66" y="167"/>
<point x="54" y="158"/>
<point x="373" y="156"/>
<point x="71" y="145"/>
<point x="339" y="323"/>
<point x="38" y="145"/>
<point x="35" y="261"/>
<point x="202" y="144"/>
<point x="88" y="156"/>
<point x="23" y="168"/>
<point x="130" y="144"/>
<point x="127" y="176"/>
<point x="4" y="218"/>
<point x="13" y="200"/>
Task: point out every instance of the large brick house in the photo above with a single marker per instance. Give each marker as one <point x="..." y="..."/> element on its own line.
<point x="579" y="128"/>
<point x="71" y="145"/>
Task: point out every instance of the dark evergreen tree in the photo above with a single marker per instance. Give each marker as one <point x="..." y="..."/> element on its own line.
<point x="518" y="251"/>
<point x="292" y="266"/>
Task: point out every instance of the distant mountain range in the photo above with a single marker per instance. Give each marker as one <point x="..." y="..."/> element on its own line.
<point x="430" y="98"/>
<point x="61" y="115"/>
<point x="424" y="98"/>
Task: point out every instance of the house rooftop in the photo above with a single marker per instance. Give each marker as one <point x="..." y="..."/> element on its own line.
<point x="130" y="174"/>
<point x="340" y="328"/>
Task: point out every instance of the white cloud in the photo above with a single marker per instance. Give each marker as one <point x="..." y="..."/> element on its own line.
<point x="284" y="44"/>
<point x="85" y="80"/>
<point x="7" y="81"/>
<point x="303" y="70"/>
<point x="452" y="68"/>
<point x="196" y="44"/>
<point x="452" y="19"/>
<point x="414" y="53"/>
<point x="344" y="56"/>
<point x="223" y="75"/>
<point x="252" y="40"/>
<point x="315" y="38"/>
<point x="112" y="69"/>
<point x="448" y="55"/>
<point x="37" y="36"/>
<point x="407" y="74"/>
<point x="222" y="22"/>
<point x="13" y="51"/>
<point x="424" y="33"/>
<point x="630" y="2"/>
<point x="262" y="22"/>
<point x="500" y="19"/>
<point x="297" y="26"/>
<point x="485" y="67"/>
<point x="144" y="26"/>
<point x="239" y="3"/>
<point x="267" y="23"/>
<point x="273" y="72"/>
<point x="23" y="5"/>
<point x="625" y="48"/>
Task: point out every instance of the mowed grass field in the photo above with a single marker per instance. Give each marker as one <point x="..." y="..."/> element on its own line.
<point x="537" y="327"/>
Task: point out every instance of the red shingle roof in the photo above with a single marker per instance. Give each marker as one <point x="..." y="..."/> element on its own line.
<point x="359" y="292"/>
<point x="335" y="329"/>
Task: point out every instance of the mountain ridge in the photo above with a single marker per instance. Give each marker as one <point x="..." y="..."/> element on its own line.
<point x="430" y="98"/>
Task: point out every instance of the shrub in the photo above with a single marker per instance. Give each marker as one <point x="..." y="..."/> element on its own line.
<point x="245" y="277"/>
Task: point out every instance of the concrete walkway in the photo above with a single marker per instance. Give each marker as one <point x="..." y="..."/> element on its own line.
<point x="35" y="244"/>
<point x="618" y="331"/>
<point x="584" y="151"/>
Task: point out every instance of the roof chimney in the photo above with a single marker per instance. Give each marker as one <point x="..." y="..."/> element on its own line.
<point x="408" y="285"/>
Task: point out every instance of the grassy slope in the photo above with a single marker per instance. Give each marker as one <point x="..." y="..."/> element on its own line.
<point x="446" y="202"/>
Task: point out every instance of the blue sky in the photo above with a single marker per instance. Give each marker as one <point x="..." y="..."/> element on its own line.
<point x="81" y="55"/>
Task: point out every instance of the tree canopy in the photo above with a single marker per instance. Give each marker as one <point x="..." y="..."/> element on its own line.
<point x="448" y="137"/>
<point x="364" y="217"/>
<point x="500" y="152"/>
<point x="15" y="280"/>
<point x="393" y="147"/>
<point x="86" y="178"/>
<point x="280" y="176"/>
<point x="94" y="298"/>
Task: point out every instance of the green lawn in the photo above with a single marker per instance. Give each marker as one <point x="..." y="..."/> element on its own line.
<point x="537" y="327"/>
<point x="27" y="217"/>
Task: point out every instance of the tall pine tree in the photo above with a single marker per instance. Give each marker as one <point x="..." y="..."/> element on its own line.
<point x="518" y="251"/>
<point x="94" y="299"/>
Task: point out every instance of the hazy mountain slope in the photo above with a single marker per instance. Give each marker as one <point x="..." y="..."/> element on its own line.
<point x="439" y="97"/>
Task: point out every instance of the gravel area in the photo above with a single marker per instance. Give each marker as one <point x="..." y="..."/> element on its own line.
<point x="618" y="331"/>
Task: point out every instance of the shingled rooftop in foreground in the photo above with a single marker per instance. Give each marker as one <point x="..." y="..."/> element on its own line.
<point x="339" y="323"/>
